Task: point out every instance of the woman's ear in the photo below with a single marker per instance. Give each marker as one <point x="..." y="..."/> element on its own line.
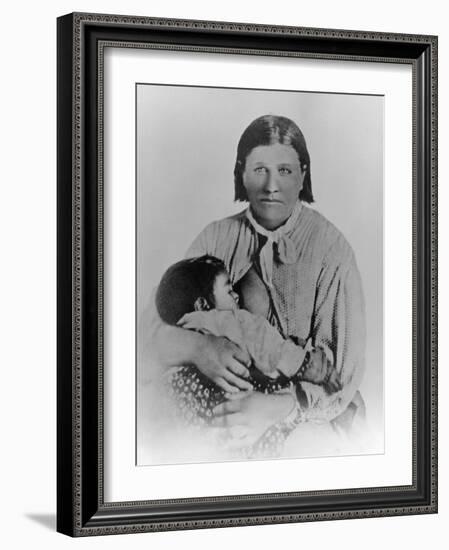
<point x="201" y="304"/>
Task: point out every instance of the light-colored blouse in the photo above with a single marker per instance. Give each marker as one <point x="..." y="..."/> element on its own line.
<point x="314" y="290"/>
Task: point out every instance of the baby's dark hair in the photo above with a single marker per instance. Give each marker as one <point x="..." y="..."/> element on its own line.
<point x="183" y="283"/>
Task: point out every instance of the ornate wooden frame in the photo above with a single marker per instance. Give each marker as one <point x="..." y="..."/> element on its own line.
<point x="81" y="507"/>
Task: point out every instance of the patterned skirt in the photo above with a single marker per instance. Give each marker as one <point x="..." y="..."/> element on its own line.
<point x="194" y="397"/>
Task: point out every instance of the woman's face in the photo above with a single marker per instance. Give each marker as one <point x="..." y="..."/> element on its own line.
<point x="273" y="179"/>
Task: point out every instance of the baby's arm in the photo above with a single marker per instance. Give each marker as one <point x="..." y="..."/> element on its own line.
<point x="274" y="356"/>
<point x="271" y="353"/>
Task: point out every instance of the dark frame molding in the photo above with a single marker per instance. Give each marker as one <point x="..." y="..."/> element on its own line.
<point x="81" y="510"/>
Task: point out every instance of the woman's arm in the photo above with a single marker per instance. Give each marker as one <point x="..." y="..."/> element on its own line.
<point x="338" y="327"/>
<point x="217" y="358"/>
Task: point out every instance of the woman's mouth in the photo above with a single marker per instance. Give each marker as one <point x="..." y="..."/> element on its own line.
<point x="267" y="200"/>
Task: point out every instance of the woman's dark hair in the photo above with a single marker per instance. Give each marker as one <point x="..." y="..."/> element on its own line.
<point x="267" y="130"/>
<point x="183" y="283"/>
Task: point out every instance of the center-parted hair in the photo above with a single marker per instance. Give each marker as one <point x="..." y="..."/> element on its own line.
<point x="183" y="283"/>
<point x="268" y="130"/>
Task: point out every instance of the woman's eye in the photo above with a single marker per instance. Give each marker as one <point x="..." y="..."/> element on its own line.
<point x="284" y="171"/>
<point x="260" y="170"/>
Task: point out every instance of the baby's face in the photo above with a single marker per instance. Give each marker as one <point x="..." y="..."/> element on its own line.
<point x="224" y="296"/>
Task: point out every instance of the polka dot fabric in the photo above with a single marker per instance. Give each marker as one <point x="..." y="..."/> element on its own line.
<point x="194" y="396"/>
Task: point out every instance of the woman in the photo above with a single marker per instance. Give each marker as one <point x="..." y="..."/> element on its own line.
<point x="290" y="265"/>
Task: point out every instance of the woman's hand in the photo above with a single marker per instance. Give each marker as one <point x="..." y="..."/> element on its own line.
<point x="247" y="416"/>
<point x="321" y="371"/>
<point x="224" y="363"/>
<point x="216" y="357"/>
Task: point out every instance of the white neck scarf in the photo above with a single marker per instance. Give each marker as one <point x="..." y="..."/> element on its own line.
<point x="286" y="249"/>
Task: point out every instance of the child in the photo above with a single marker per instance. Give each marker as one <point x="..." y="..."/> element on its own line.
<point x="196" y="294"/>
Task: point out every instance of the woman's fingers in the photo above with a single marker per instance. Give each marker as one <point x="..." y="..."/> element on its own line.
<point x="238" y="369"/>
<point x="238" y="395"/>
<point x="228" y="420"/>
<point x="224" y="385"/>
<point x="227" y="407"/>
<point x="337" y="385"/>
<point x="242" y="356"/>
<point x="234" y="380"/>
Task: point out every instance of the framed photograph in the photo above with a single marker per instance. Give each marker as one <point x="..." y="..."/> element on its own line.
<point x="247" y="274"/>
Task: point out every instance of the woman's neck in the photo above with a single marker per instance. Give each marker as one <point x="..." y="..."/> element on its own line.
<point x="267" y="225"/>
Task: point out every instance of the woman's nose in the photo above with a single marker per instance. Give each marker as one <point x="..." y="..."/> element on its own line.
<point x="271" y="182"/>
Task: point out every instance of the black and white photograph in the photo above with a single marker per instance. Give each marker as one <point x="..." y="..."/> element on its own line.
<point x="259" y="274"/>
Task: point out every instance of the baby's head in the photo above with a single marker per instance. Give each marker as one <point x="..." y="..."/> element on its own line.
<point x="197" y="284"/>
